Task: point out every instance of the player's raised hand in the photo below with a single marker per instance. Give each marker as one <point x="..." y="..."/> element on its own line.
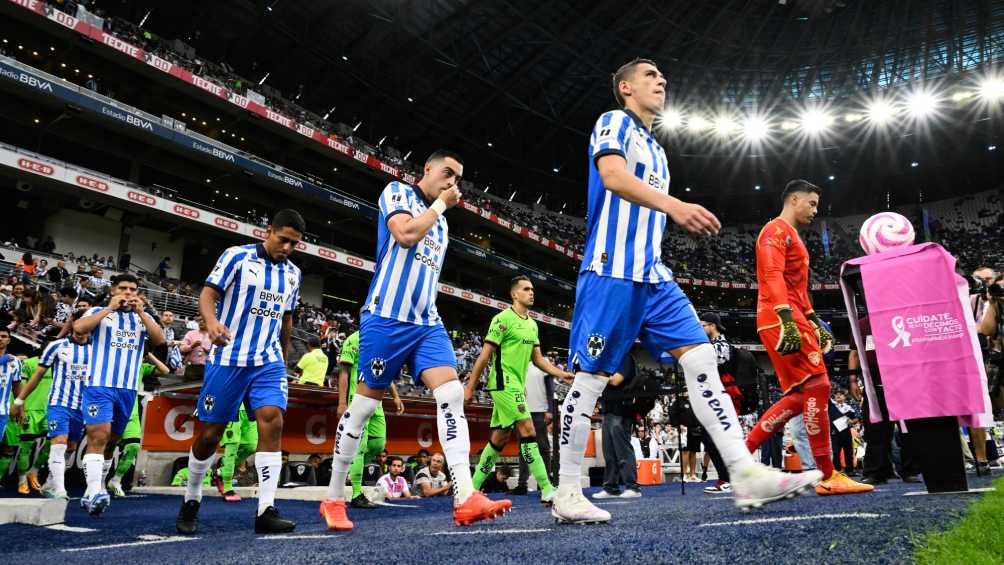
<point x="116" y="302"/>
<point x="218" y="333"/>
<point x="450" y="197"/>
<point x="695" y="218"/>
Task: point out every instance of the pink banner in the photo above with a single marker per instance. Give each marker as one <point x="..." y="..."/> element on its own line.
<point x="924" y="334"/>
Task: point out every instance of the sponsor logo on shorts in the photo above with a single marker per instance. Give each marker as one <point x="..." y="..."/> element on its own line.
<point x="811" y="417"/>
<point x="208" y="403"/>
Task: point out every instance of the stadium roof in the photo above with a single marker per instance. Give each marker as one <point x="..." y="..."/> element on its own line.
<point x="517" y="84"/>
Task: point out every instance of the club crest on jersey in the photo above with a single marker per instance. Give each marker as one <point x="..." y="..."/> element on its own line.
<point x="291" y="278"/>
<point x="377" y="366"/>
<point x="92" y="410"/>
<point x="595" y="344"/>
<point x="208" y="403"/>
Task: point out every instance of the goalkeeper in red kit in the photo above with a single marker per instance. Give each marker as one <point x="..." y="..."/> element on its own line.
<point x="793" y="336"/>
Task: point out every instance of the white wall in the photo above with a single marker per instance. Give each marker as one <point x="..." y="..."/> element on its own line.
<point x="148" y="247"/>
<point x="83" y="233"/>
<point x="310" y="291"/>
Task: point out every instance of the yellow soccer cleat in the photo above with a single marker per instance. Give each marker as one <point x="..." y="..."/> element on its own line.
<point x="839" y="483"/>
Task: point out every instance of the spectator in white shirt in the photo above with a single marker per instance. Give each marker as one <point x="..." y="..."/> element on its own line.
<point x="431" y="481"/>
<point x="393" y="484"/>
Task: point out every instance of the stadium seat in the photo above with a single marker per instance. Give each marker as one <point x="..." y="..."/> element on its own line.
<point x="299" y="474"/>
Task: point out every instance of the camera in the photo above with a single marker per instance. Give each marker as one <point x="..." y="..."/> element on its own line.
<point x="993" y="289"/>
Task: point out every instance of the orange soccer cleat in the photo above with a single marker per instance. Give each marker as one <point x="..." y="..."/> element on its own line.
<point x="334" y="513"/>
<point x="839" y="483"/>
<point x="479" y="507"/>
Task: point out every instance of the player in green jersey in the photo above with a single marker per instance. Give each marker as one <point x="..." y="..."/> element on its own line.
<point x="240" y="441"/>
<point x="35" y="425"/>
<point x="132" y="436"/>
<point x="374" y="432"/>
<point x="511" y="345"/>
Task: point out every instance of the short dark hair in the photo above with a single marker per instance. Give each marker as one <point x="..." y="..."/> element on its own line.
<point x="518" y="279"/>
<point x="504" y="469"/>
<point x="288" y="218"/>
<point x="423" y="451"/>
<point x="625" y="72"/>
<point x="392" y="459"/>
<point x="4" y="330"/>
<point x="313" y="342"/>
<point x="443" y="154"/>
<point x="799" y="185"/>
<point x="68" y="291"/>
<point x="124" y="277"/>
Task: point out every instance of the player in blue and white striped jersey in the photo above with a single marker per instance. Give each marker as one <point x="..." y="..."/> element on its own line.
<point x="118" y="334"/>
<point x="247" y="304"/>
<point x="625" y="292"/>
<point x="10" y="379"/>
<point x="69" y="359"/>
<point x="400" y="324"/>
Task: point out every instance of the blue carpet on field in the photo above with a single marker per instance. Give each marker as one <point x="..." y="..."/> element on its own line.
<point x="661" y="527"/>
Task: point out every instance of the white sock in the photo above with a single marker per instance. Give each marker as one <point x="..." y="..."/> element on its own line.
<point x="269" y="465"/>
<point x="455" y="437"/>
<point x="57" y="467"/>
<point x="350" y="429"/>
<point x="576" y="413"/>
<point x="93" y="463"/>
<point x="196" y="473"/>
<point x="713" y="407"/>
<point x="105" y="467"/>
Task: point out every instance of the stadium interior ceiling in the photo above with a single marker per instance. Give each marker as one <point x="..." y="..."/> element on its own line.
<point x="516" y="86"/>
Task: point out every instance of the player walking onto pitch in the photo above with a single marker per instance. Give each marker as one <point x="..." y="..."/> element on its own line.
<point x="247" y="304"/>
<point x="374" y="431"/>
<point x="793" y="335"/>
<point x="400" y="324"/>
<point x="118" y="333"/>
<point x="69" y="361"/>
<point x="625" y="292"/>
<point x="511" y="344"/>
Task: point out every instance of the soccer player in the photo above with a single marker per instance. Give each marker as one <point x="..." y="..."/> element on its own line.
<point x="247" y="304"/>
<point x="400" y="324"/>
<point x="625" y="292"/>
<point x="511" y="345"/>
<point x="118" y="332"/>
<point x="133" y="434"/>
<point x="240" y="441"/>
<point x="32" y="425"/>
<point x="10" y="379"/>
<point x="68" y="360"/>
<point x="793" y="335"/>
<point x="374" y="432"/>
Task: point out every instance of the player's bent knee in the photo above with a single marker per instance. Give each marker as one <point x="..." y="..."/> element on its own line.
<point x="434" y="377"/>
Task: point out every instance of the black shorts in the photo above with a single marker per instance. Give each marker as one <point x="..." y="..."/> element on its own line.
<point x="693" y="443"/>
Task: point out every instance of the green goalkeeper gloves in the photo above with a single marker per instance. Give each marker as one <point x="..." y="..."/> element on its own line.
<point x="791" y="339"/>
<point x="824" y="336"/>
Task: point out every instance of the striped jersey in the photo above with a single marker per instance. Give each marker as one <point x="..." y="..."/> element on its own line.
<point x="10" y="373"/>
<point x="624" y="240"/>
<point x="406" y="280"/>
<point x="255" y="293"/>
<point x="116" y="349"/>
<point x="70" y="364"/>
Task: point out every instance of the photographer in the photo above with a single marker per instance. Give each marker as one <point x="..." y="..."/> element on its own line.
<point x="988" y="304"/>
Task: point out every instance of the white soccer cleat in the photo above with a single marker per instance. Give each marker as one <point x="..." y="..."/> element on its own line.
<point x="571" y="507"/>
<point x="761" y="485"/>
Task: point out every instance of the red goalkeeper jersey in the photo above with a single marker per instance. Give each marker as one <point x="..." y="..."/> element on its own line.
<point x="782" y="273"/>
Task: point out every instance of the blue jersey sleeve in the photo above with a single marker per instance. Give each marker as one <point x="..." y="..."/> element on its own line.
<point x="48" y="358"/>
<point x="223" y="273"/>
<point x="395" y="199"/>
<point x="610" y="135"/>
